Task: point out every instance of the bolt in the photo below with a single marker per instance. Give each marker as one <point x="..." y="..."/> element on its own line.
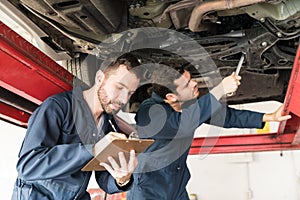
<point x="279" y="34"/>
<point x="127" y="41"/>
<point x="264" y="44"/>
<point x="262" y="19"/>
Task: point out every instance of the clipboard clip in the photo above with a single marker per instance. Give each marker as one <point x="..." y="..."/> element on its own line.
<point x="134" y="136"/>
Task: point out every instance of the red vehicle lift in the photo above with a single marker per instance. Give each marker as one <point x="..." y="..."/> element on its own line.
<point x="28" y="77"/>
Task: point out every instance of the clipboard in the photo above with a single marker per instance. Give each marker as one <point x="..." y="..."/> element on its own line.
<point x="105" y="148"/>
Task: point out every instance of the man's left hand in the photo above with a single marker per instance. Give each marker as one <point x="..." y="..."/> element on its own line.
<point x="122" y="173"/>
<point x="276" y="116"/>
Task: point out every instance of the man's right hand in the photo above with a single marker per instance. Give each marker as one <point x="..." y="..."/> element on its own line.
<point x="231" y="83"/>
<point x="228" y="85"/>
<point x="114" y="135"/>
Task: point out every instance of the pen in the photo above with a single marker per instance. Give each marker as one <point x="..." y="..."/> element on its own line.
<point x="113" y="127"/>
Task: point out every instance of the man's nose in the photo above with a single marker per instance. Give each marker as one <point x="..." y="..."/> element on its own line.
<point x="193" y="83"/>
<point x="124" y="97"/>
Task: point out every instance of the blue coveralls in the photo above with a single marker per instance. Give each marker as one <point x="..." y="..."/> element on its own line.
<point x="162" y="172"/>
<point x="58" y="143"/>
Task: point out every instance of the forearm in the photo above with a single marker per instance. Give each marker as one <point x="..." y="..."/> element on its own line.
<point x="268" y="117"/>
<point x="48" y="163"/>
<point x="233" y="118"/>
<point x="218" y="92"/>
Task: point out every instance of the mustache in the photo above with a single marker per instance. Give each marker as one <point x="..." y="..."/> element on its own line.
<point x="117" y="103"/>
<point x="104" y="100"/>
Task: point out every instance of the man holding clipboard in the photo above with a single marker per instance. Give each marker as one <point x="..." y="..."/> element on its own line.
<point x="62" y="132"/>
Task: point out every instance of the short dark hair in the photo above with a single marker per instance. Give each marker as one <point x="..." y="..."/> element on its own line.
<point x="112" y="62"/>
<point x="163" y="80"/>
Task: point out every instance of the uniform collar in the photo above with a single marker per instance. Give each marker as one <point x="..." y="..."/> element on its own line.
<point x="156" y="97"/>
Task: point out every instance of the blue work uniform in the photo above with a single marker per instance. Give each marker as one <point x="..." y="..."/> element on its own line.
<point x="162" y="171"/>
<point x="58" y="143"/>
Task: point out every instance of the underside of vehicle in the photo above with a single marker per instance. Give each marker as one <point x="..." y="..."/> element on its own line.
<point x="267" y="31"/>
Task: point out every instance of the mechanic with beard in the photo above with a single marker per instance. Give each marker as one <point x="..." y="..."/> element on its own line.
<point x="170" y="116"/>
<point x="61" y="134"/>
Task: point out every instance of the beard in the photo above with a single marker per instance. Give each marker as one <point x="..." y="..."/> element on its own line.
<point x="105" y="102"/>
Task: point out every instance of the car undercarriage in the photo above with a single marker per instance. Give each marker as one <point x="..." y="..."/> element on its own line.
<point x="266" y="30"/>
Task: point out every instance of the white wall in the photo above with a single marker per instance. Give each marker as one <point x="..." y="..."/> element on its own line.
<point x="10" y="143"/>
<point x="246" y="176"/>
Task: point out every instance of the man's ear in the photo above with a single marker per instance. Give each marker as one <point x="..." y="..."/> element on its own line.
<point x="171" y="97"/>
<point x="99" y="78"/>
<point x="123" y="66"/>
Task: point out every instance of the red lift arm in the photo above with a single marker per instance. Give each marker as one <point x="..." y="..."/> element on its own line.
<point x="28" y="73"/>
<point x="32" y="76"/>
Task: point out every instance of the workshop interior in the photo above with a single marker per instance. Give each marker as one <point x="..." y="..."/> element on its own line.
<point x="46" y="45"/>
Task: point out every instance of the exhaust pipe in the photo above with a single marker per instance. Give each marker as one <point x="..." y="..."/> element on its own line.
<point x="205" y="7"/>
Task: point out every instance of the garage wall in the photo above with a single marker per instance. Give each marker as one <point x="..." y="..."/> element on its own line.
<point x="10" y="143"/>
<point x="245" y="176"/>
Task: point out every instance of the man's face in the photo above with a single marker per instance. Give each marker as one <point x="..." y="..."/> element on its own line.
<point x="116" y="89"/>
<point x="187" y="88"/>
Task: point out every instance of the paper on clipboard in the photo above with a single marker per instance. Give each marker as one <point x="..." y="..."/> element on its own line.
<point x="105" y="148"/>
